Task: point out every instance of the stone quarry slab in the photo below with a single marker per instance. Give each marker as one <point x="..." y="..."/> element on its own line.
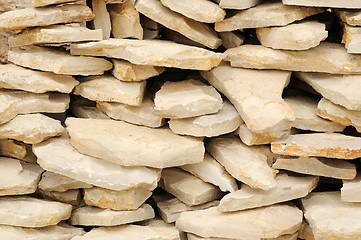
<point x="352" y="39"/>
<point x="151" y="52"/>
<point x="188" y="98"/>
<point x="325" y="167"/>
<point x="267" y="222"/>
<point x="326" y="57"/>
<point x="34" y="17"/>
<point x="259" y="102"/>
<point x="325" y="3"/>
<point x="232" y="39"/>
<point x="131" y="145"/>
<point x="350" y="191"/>
<point x="277" y="14"/>
<point x="188" y="188"/>
<point x="128" y="199"/>
<point x="330" y="145"/>
<point x="252" y="138"/>
<point x="351" y="17"/>
<point x="224" y="121"/>
<point x="51" y="181"/>
<point x="196" y="31"/>
<point x="238" y="4"/>
<point x="246" y="164"/>
<point x="102" y="18"/>
<point x="57" y="155"/>
<point x="18" y="150"/>
<point x="7" y="110"/>
<point x="72" y="196"/>
<point x="59" y="62"/>
<point x="32" y="212"/>
<point x="109" y="88"/>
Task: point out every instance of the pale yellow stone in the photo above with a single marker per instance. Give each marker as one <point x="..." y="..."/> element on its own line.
<point x="325" y="3"/>
<point x="151" y="52"/>
<point x="351" y="17"/>
<point x="131" y="145"/>
<point x="72" y="196"/>
<point x="18" y="150"/>
<point x="84" y="108"/>
<point x="196" y="31"/>
<point x="156" y="222"/>
<point x="256" y="95"/>
<point x="265" y="222"/>
<point x="179" y="38"/>
<point x="34" y="17"/>
<point x="10" y="5"/>
<point x="283" y="237"/>
<point x="305" y="232"/>
<point x="151" y="29"/>
<point x="102" y="18"/>
<point x="352" y="38"/>
<point x="238" y="4"/>
<point x="267" y="14"/>
<point x="7" y="109"/>
<point x="350" y="191"/>
<point x="251" y="138"/>
<point x="231" y="39"/>
<point x="43" y="3"/>
<point x="55" y="182"/>
<point x="326" y="57"/>
<point x="110" y="89"/>
<point x="4" y="46"/>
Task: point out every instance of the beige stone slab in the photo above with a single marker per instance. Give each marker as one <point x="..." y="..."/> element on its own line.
<point x="156" y="222"/>
<point x="18" y="150"/>
<point x="283" y="237"/>
<point x="252" y="138"/>
<point x="224" y="121"/>
<point x="325" y="3"/>
<point x="295" y="36"/>
<point x="10" y="5"/>
<point x="352" y="38"/>
<point x="32" y="212"/>
<point x="84" y="108"/>
<point x="4" y="46"/>
<point x="59" y="62"/>
<point x="43" y="3"/>
<point x="199" y="10"/>
<point x="232" y="39"/>
<point x="54" y="34"/>
<point x="110" y="89"/>
<point x="151" y="52"/>
<point x="179" y="38"/>
<point x="350" y="191"/>
<point x="92" y="216"/>
<point x="7" y="109"/>
<point x="57" y="155"/>
<point x="267" y="222"/>
<point x="102" y="18"/>
<point x="72" y="196"/>
<point x="305" y="232"/>
<point x="267" y="14"/>
<point x="188" y="188"/>
<point x="255" y="94"/>
<point x="128" y="199"/>
<point x="34" y="17"/>
<point x="351" y="17"/>
<point x="196" y="31"/>
<point x="238" y="4"/>
<point x="326" y="57"/>
<point x="51" y="181"/>
<point x="131" y="145"/>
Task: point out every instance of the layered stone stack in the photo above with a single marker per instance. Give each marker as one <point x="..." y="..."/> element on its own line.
<point x="165" y="119"/>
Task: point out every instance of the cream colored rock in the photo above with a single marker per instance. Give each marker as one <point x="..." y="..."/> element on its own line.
<point x="331" y="168"/>
<point x="238" y="4"/>
<point x="10" y="5"/>
<point x="259" y="102"/>
<point x="151" y="52"/>
<point x="251" y="138"/>
<point x="54" y="34"/>
<point x="267" y="14"/>
<point x="131" y="145"/>
<point x="126" y="71"/>
<point x="84" y="108"/>
<point x="338" y="114"/>
<point x="196" y="31"/>
<point x="102" y="18"/>
<point x="188" y="98"/>
<point x="325" y="3"/>
<point x="92" y="216"/>
<point x="330" y="145"/>
<point x="156" y="222"/>
<point x="188" y="188"/>
<point x="7" y="109"/>
<point x="295" y="36"/>
<point x="18" y="150"/>
<point x="246" y="164"/>
<point x="43" y="3"/>
<point x="129" y="199"/>
<point x="350" y="191"/>
<point x="352" y="39"/>
<point x="179" y="38"/>
<point x="283" y="237"/>
<point x="199" y="10"/>
<point x="72" y="196"/>
<point x="224" y="121"/>
<point x="232" y="39"/>
<point x="32" y="212"/>
<point x="57" y="155"/>
<point x="55" y="182"/>
<point x="109" y="88"/>
<point x="305" y="109"/>
<point x="351" y="17"/>
<point x="267" y="222"/>
<point x="34" y="17"/>
<point x="4" y="46"/>
<point x="326" y="57"/>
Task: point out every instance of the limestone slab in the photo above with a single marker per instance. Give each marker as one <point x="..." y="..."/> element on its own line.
<point x="7" y="110"/>
<point x="352" y="39"/>
<point x="350" y="191"/>
<point x="283" y="237"/>
<point x="111" y="89"/>
<point x="84" y="108"/>
<point x="252" y="138"/>
<point x="351" y="17"/>
<point x="326" y="57"/>
<point x="72" y="196"/>
<point x="238" y="4"/>
<point x="156" y="222"/>
<point x="151" y="52"/>
<point x="255" y="94"/>
<point x="43" y="3"/>
<point x="102" y="18"/>
<point x="57" y="155"/>
<point x="267" y="222"/>
<point x="4" y="46"/>
<point x="10" y="5"/>
<point x="277" y="14"/>
<point x="59" y="62"/>
<point x="188" y="188"/>
<point x="34" y="17"/>
<point x="325" y="3"/>
<point x="18" y="150"/>
<point x="196" y="31"/>
<point x="51" y="181"/>
<point x="232" y="39"/>
<point x="128" y="199"/>
<point x="131" y="145"/>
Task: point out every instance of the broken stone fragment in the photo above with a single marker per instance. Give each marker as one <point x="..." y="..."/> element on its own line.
<point x="352" y="38"/>
<point x="36" y="17"/>
<point x="196" y="31"/>
<point x="92" y="216"/>
<point x="151" y="52"/>
<point x="59" y="62"/>
<point x="156" y="222"/>
<point x="188" y="188"/>
<point x="282" y="237"/>
<point x="131" y="145"/>
<point x="4" y="46"/>
<point x="267" y="222"/>
<point x="351" y="17"/>
<point x="179" y="38"/>
<point x="232" y="39"/>
<point x="84" y="108"/>
<point x="256" y="95"/>
<point x="18" y="150"/>
<point x="102" y="18"/>
<point x="238" y="4"/>
<point x="7" y="109"/>
<point x="110" y="89"/>
<point x="251" y="138"/>
<point x="332" y="168"/>
<point x="277" y="14"/>
<point x="325" y="3"/>
<point x="350" y="191"/>
<point x="330" y="145"/>
<point x="43" y="3"/>
<point x="72" y="196"/>
<point x="55" y="182"/>
<point x="305" y="232"/>
<point x="10" y="5"/>
<point x="326" y="57"/>
<point x="128" y="199"/>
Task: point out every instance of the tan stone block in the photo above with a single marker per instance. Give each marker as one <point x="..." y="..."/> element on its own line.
<point x="351" y="17"/>
<point x="251" y="138"/>
<point x="232" y="39"/>
<point x="72" y="196"/>
<point x="238" y="4"/>
<point x="10" y="5"/>
<point x="325" y="3"/>
<point x="43" y="3"/>
<point x="102" y="18"/>
<point x="7" y="109"/>
<point x="18" y="150"/>
<point x="55" y="182"/>
<point x="283" y="237"/>
<point x="352" y="38"/>
<point x="350" y="191"/>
